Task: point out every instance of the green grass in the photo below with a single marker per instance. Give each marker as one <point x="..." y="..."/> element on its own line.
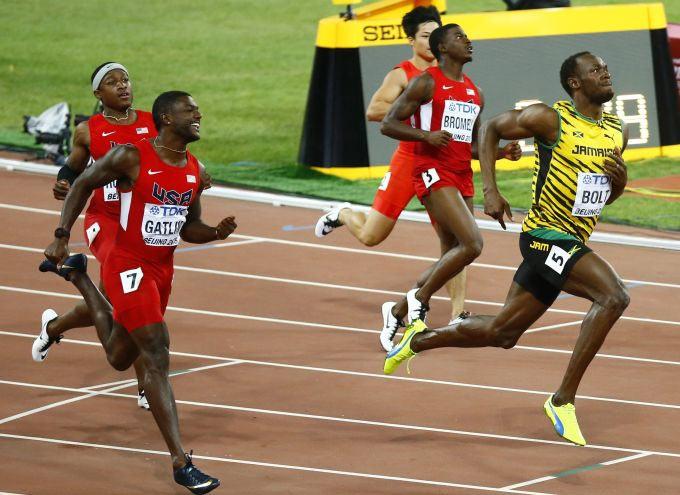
<point x="248" y="63"/>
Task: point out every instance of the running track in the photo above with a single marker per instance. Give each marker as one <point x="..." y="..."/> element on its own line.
<point x="279" y="373"/>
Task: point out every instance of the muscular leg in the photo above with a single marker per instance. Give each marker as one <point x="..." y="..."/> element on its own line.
<point x="153" y="342"/>
<point x="80" y="317"/>
<point x="460" y="242"/>
<point x="520" y="311"/>
<point x="456" y="290"/>
<point x="593" y="278"/>
<point x="456" y="286"/>
<point x="370" y="230"/>
<point x="77" y="317"/>
<point x="120" y="350"/>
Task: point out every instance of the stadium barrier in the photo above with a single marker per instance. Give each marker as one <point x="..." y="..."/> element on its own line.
<point x="517" y="59"/>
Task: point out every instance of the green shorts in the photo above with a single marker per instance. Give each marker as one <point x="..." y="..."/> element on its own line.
<point x="547" y="263"/>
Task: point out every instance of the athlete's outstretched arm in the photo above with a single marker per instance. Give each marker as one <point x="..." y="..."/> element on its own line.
<point x="197" y="232"/>
<point x="418" y="91"/>
<point x="75" y="163"/>
<point x="393" y="85"/>
<point x="538" y="121"/>
<point x="121" y="163"/>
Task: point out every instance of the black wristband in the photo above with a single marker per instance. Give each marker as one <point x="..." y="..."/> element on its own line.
<point x="61" y="232"/>
<point x="67" y="173"/>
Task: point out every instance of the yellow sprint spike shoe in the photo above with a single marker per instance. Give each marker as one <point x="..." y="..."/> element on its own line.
<point x="402" y="351"/>
<point x="564" y="420"/>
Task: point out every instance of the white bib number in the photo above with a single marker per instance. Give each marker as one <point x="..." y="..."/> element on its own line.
<point x="557" y="259"/>
<point x="430" y="177"/>
<point x="92" y="232"/>
<point x="131" y="279"/>
<point x="459" y="119"/>
<point x="385" y="181"/>
<point x="162" y="223"/>
<point x="111" y="191"/>
<point x="592" y="193"/>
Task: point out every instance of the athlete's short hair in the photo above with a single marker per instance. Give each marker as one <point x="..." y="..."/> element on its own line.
<point x="163" y="104"/>
<point x="437" y="36"/>
<point x="418" y="16"/>
<point x="568" y="70"/>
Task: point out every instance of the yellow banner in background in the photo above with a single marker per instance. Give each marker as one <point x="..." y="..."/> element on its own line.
<point x="376" y="30"/>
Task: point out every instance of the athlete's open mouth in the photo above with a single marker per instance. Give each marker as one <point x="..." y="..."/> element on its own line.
<point x="196" y="125"/>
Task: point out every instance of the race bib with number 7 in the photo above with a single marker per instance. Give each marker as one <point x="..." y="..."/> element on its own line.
<point x="131" y="279"/>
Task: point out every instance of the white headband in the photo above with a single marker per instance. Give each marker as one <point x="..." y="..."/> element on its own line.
<point x="103" y="71"/>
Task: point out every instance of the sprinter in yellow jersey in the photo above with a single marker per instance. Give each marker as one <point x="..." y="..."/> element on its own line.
<point x="579" y="169"/>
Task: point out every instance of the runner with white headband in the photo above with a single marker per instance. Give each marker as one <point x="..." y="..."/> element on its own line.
<point x="118" y="123"/>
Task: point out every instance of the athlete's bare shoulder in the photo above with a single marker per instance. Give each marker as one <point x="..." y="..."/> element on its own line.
<point x="81" y="134"/>
<point x="542" y="120"/>
<point x="421" y="87"/>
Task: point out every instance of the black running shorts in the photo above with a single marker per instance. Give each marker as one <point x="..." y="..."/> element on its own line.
<point x="546" y="265"/>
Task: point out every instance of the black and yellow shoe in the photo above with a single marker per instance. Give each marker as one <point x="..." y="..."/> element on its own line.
<point x="402" y="351"/>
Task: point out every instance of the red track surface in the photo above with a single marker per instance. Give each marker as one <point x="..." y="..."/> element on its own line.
<point x="297" y="402"/>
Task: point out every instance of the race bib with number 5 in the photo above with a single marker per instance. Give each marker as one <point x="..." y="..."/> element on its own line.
<point x="557" y="259"/>
<point x="430" y="177"/>
<point x="131" y="279"/>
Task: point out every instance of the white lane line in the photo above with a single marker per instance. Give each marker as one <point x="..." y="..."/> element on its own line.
<point x="600" y="355"/>
<point x="346" y="249"/>
<point x="272" y="465"/>
<point x="577" y="470"/>
<point x="552" y="327"/>
<point x="172" y="373"/>
<point x="376" y="375"/>
<point x="626" y="459"/>
<point x="208" y="313"/>
<point x="345" y="287"/>
<point x="90" y="394"/>
<point x="323" y="325"/>
<point x="201" y="247"/>
<point x="381" y="424"/>
<point x="57" y="404"/>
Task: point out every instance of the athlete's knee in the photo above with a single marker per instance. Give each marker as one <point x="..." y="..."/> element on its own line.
<point x="370" y="239"/>
<point x="618" y="299"/>
<point x="505" y="337"/>
<point x="156" y="365"/>
<point x="505" y="340"/>
<point x="472" y="249"/>
<point x="119" y="361"/>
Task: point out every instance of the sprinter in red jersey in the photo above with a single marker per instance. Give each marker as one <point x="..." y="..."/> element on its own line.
<point x="160" y="184"/>
<point x="118" y="123"/>
<point x="396" y="189"/>
<point x="445" y="106"/>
